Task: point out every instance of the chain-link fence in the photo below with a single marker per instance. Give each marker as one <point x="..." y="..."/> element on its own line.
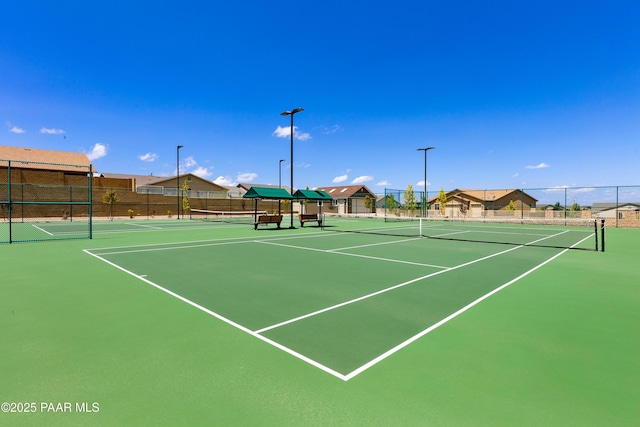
<point x="618" y="205"/>
<point x="32" y="212"/>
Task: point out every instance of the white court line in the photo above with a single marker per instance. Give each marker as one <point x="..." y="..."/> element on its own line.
<point x="188" y="244"/>
<point x="334" y="251"/>
<point x="143" y="226"/>
<point x="42" y="229"/>
<point x="373" y="244"/>
<point x="171" y="248"/>
<point x="224" y="239"/>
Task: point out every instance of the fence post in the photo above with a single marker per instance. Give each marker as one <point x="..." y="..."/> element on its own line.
<point x="90" y="196"/>
<point x="617" y="204"/>
<point x="9" y="201"/>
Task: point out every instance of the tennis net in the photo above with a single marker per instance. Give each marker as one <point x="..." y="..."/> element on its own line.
<point x="235" y="217"/>
<point x="555" y="233"/>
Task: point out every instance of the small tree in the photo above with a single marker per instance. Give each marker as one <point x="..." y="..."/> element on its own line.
<point x="557" y="206"/>
<point x="185" y="197"/>
<point x="285" y="205"/>
<point x="110" y="197"/>
<point x="511" y="206"/>
<point x="369" y="202"/>
<point x="303" y="203"/>
<point x="575" y="207"/>
<point x="442" y="200"/>
<point x="410" y="199"/>
<point x="390" y="202"/>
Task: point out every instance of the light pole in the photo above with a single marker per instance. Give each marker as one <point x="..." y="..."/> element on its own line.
<point x="291" y="113"/>
<point x="279" y="180"/>
<point x="424" y="197"/>
<point x="178" y="177"/>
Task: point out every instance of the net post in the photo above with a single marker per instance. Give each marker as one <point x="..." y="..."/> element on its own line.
<point x="90" y="195"/>
<point x="421" y="235"/>
<point x="602" y="234"/>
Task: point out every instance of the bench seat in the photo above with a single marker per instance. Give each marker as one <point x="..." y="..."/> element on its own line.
<point x="268" y="219"/>
<point x="309" y="218"/>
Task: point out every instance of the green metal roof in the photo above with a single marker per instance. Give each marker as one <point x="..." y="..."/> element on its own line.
<point x="267" y="193"/>
<point x="311" y="195"/>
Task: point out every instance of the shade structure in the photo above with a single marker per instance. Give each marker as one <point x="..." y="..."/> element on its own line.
<point x="312" y="195"/>
<point x="267" y="193"/>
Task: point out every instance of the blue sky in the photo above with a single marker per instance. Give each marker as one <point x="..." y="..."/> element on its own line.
<point x="513" y="94"/>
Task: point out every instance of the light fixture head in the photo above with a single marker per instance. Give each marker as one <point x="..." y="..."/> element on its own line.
<point x="294" y="111"/>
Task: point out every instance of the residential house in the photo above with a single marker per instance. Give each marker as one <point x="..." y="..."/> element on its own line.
<point x="482" y="203"/>
<point x="350" y="199"/>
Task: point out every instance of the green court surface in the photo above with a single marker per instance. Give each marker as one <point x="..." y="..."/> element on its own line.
<point x="176" y="322"/>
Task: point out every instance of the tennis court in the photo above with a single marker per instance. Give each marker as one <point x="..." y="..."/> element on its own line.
<point x="311" y="294"/>
<point x="172" y="322"/>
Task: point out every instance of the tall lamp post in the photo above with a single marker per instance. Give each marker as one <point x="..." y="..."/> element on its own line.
<point x="291" y="113"/>
<point x="279" y="180"/>
<point x="178" y="177"/>
<point x="424" y="197"/>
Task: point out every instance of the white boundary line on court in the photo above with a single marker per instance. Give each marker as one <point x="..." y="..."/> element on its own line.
<point x="335" y="251"/>
<point x="186" y="245"/>
<point x="143" y="225"/>
<point x="41" y="229"/>
<point x="223" y="239"/>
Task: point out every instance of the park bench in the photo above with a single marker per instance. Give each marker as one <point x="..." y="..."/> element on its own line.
<point x="309" y="218"/>
<point x="268" y="219"/>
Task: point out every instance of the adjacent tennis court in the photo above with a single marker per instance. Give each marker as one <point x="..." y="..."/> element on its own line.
<point x="169" y="321"/>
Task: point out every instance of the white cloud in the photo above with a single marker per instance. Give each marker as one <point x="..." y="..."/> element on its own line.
<point x="362" y="179"/>
<point x="282" y="132"/>
<point x="149" y="157"/>
<point x="421" y="184"/>
<point x="16" y="129"/>
<point x="555" y="189"/>
<point x="202" y="172"/>
<point x="99" y="150"/>
<point x="515" y="175"/>
<point x="301" y="136"/>
<point x="52" y="131"/>
<point x="224" y="181"/>
<point x="332" y="129"/>
<point x="539" y="166"/>
<point x="340" y="178"/>
<point x="584" y="190"/>
<point x="384" y="183"/>
<point x="247" y="177"/>
<point x="190" y="162"/>
<point x="285" y="132"/>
